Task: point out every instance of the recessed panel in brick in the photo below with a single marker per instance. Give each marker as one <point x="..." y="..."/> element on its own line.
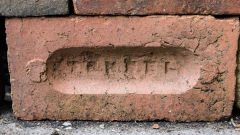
<point x="33" y="7"/>
<point x="123" y="68"/>
<point x="147" y="7"/>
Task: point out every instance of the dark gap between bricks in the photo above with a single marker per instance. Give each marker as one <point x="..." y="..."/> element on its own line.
<point x="236" y="110"/>
<point x="6" y="90"/>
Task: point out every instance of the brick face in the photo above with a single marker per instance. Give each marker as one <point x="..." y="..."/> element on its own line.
<point x="148" y="7"/>
<point x="33" y="7"/>
<point x="123" y="68"/>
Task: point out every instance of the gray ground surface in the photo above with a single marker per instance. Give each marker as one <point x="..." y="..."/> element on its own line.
<point x="9" y="125"/>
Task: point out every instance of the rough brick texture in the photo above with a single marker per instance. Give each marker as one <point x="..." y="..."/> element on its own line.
<point x="123" y="68"/>
<point x="33" y="7"/>
<point x="146" y="7"/>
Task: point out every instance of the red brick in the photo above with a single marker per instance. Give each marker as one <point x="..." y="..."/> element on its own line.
<point x="123" y="68"/>
<point x="146" y="7"/>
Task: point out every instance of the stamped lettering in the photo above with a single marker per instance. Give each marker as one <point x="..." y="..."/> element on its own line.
<point x="123" y="70"/>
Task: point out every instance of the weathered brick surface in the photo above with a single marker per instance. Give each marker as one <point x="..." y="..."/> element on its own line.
<point x="33" y="7"/>
<point x="123" y="68"/>
<point x="146" y="7"/>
